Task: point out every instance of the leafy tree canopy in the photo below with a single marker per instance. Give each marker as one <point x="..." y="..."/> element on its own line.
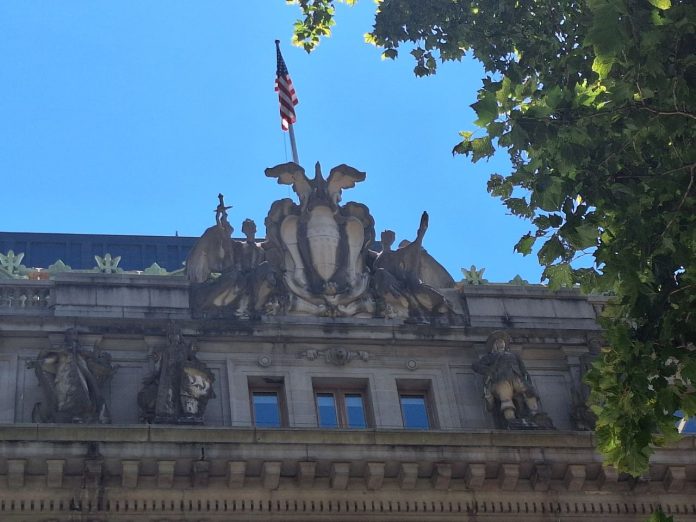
<point x="595" y="103"/>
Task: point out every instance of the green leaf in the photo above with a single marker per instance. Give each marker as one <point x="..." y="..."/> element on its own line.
<point x="549" y="194"/>
<point x="661" y="4"/>
<point x="559" y="276"/>
<point x="486" y="109"/>
<point x="602" y="65"/>
<point x="554" y="97"/>
<point x="524" y="245"/>
<point x="584" y="236"/>
<point x="481" y="148"/>
<point x="551" y="250"/>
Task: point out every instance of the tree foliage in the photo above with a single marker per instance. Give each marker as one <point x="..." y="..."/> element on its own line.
<point x="595" y="103"/>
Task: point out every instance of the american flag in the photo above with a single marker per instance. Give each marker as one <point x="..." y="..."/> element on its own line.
<point x="285" y="90"/>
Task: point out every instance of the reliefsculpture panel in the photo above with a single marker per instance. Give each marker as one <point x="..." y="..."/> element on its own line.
<point x="72" y="379"/>
<point x="316" y="260"/>
<point x="179" y="387"/>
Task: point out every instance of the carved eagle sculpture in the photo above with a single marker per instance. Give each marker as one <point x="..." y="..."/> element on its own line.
<point x="291" y="173"/>
<point x="340" y="178"/>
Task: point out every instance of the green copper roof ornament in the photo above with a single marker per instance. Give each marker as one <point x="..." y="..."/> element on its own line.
<point x="155" y="269"/>
<point x="108" y="264"/>
<point x="58" y="267"/>
<point x="517" y="280"/>
<point x="12" y="263"/>
<point x="472" y="276"/>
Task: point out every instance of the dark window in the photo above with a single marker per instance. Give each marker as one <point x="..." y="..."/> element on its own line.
<point x="266" y="409"/>
<point x="267" y="401"/>
<point x="326" y="410"/>
<point x="414" y="411"/>
<point x="417" y="405"/>
<point x="355" y="410"/>
<point x="344" y="407"/>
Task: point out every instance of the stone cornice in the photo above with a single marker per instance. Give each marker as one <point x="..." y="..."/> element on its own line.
<point x="156" y="472"/>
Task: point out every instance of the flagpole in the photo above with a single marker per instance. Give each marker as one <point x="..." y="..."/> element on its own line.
<point x="287" y="100"/>
<point x="293" y="145"/>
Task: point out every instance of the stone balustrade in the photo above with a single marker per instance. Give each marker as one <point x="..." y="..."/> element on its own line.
<point x="18" y="296"/>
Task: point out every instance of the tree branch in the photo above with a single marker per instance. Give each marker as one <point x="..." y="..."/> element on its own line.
<point x="683" y="200"/>
<point x="670" y="113"/>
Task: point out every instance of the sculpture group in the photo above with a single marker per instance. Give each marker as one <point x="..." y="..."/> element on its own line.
<point x="74" y="381"/>
<point x="317" y="259"/>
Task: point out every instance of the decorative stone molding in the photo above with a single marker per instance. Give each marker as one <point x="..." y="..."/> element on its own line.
<point x="573" y="488"/>
<point x="508" y="475"/>
<point x="54" y="473"/>
<point x="264" y="361"/>
<point x="306" y="472"/>
<point x="236" y="471"/>
<point x="675" y="478"/>
<point x="165" y="473"/>
<point x="130" y="470"/>
<point x="340" y="473"/>
<point x="475" y="475"/>
<point x="541" y="477"/>
<point x="335" y="355"/>
<point x="408" y="475"/>
<point x="15" y="473"/>
<point x="270" y="475"/>
<point x="442" y="476"/>
<point x="200" y="471"/>
<point x="608" y="478"/>
<point x="374" y="475"/>
<point x="574" y="478"/>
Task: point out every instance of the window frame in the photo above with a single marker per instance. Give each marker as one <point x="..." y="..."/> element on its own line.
<point x="263" y="385"/>
<point x="418" y="388"/>
<point x="359" y="387"/>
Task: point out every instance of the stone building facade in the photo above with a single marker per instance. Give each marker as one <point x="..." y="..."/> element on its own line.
<point x="306" y="377"/>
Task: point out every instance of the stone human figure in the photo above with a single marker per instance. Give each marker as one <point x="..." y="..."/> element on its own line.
<point x="214" y="251"/>
<point x="256" y="271"/>
<point x="179" y="387"/>
<point x="508" y="385"/>
<point x="397" y="277"/>
<point x="72" y="379"/>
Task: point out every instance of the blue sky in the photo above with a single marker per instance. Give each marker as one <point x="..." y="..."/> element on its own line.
<point x="129" y="117"/>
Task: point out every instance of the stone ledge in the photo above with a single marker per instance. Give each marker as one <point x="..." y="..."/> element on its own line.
<point x="199" y="434"/>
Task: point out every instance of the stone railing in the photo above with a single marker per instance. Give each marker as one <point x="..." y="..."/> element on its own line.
<point x="23" y="295"/>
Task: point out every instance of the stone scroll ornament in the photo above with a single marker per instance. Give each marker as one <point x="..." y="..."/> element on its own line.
<point x="179" y="387"/>
<point x="316" y="260"/>
<point x="508" y="389"/>
<point x="73" y="380"/>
